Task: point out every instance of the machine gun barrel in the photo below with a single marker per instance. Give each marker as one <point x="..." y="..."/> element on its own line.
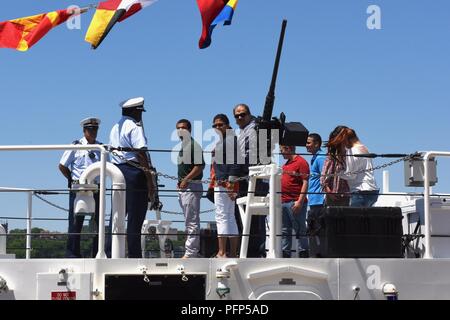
<point x="270" y="99"/>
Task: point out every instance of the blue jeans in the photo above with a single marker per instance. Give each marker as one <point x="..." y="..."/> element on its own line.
<point x="364" y="199"/>
<point x="298" y="223"/>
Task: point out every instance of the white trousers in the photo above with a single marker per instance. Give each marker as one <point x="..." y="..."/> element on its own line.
<point x="225" y="220"/>
<point x="190" y="204"/>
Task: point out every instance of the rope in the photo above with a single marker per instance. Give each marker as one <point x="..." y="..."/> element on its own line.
<point x="50" y="203"/>
<point x="66" y="210"/>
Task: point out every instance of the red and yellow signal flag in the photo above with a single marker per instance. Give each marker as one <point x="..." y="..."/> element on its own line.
<point x="21" y="34"/>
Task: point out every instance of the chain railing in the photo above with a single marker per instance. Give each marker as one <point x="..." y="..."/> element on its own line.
<point x="246" y="178"/>
<point x="169" y="177"/>
<point x="206" y="181"/>
<point x="379" y="167"/>
<point x="152" y="171"/>
<point x="181" y="213"/>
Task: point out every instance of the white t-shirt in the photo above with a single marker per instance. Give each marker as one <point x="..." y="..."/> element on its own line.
<point x="364" y="181"/>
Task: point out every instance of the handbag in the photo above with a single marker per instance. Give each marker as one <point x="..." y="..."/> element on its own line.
<point x="210" y="194"/>
<point x="339" y="187"/>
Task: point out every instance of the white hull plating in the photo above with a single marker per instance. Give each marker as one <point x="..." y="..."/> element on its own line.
<point x="255" y="279"/>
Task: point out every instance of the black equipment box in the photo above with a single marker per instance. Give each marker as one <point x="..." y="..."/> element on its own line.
<point x="157" y="287"/>
<point x="349" y="232"/>
<point x="208" y="243"/>
<point x="294" y="134"/>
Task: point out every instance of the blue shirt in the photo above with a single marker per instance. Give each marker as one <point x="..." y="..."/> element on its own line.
<point x="129" y="134"/>
<point x="316" y="166"/>
<point x="78" y="160"/>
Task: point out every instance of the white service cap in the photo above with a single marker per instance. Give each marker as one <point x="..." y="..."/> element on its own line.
<point x="137" y="103"/>
<point x="90" y="122"/>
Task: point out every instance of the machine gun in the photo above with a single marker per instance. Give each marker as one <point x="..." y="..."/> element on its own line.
<point x="290" y="133"/>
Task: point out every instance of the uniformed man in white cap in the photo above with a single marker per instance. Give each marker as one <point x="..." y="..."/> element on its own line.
<point x="129" y="133"/>
<point x="72" y="165"/>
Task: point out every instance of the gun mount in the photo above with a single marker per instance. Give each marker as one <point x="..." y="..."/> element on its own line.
<point x="290" y="133"/>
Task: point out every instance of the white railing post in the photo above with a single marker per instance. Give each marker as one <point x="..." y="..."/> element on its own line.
<point x="274" y="214"/>
<point x="30" y="192"/>
<point x="29" y="224"/>
<point x="278" y="214"/>
<point x="246" y="227"/>
<point x="386" y="182"/>
<point x="427" y="192"/>
<point x="118" y="206"/>
<point x="426" y="186"/>
<point x="3" y="238"/>
<point x="101" y="219"/>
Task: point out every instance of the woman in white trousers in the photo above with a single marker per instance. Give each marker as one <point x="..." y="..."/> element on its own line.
<point x="225" y="171"/>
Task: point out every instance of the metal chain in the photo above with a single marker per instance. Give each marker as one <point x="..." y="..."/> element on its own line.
<point x="152" y="172"/>
<point x="181" y="213"/>
<point x="50" y="203"/>
<point x="383" y="166"/>
<point x="169" y="177"/>
<point x="409" y="157"/>
<point x="208" y="181"/>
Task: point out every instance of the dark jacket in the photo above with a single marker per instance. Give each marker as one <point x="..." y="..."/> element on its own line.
<point x="225" y="158"/>
<point x="248" y="146"/>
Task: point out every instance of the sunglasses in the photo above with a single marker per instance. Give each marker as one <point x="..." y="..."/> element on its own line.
<point x="240" y="115"/>
<point x="218" y="125"/>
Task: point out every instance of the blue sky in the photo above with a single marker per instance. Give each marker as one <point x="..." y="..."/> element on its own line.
<point x="390" y="85"/>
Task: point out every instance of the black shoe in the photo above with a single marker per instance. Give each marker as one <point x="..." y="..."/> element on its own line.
<point x="303" y="254"/>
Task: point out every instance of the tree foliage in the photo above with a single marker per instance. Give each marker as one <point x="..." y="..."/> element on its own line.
<point x="46" y="244"/>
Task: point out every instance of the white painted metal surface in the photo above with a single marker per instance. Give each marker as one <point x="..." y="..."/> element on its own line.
<point x="275" y="278"/>
<point x="103" y="158"/>
<point x="118" y="207"/>
<point x="269" y="206"/>
<point x="427" y="191"/>
<point x="29" y="224"/>
<point x="58" y="286"/>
